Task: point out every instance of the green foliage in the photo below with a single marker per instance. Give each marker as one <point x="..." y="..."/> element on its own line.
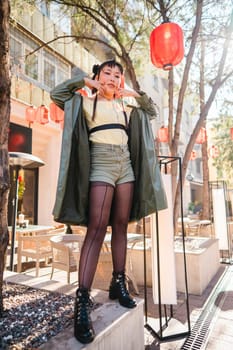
<point x="21" y="188"/>
<point x="222" y="139"/>
<point x="20" y="8"/>
<point x="121" y="24"/>
<point x="195" y="207"/>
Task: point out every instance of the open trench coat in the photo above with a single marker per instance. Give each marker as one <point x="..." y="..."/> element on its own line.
<point x="71" y="204"/>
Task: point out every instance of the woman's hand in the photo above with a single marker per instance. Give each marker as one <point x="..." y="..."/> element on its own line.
<point x="101" y="88"/>
<point x="126" y="93"/>
<point x="92" y="84"/>
<point x="95" y="84"/>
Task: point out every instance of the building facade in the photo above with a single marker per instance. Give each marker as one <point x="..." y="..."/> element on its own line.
<point x="36" y="67"/>
<point x="43" y="53"/>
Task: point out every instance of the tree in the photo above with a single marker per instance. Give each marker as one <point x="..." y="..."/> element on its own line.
<point x="213" y="79"/>
<point x="216" y="34"/>
<point x="117" y="28"/>
<point x="222" y="140"/>
<point x="4" y="126"/>
<point x="123" y="27"/>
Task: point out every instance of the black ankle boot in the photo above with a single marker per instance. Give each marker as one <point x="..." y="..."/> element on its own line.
<point x="83" y="330"/>
<point x="119" y="291"/>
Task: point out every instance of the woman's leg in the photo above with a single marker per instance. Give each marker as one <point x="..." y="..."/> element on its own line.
<point x="121" y="211"/>
<point x="122" y="204"/>
<point x="100" y="201"/>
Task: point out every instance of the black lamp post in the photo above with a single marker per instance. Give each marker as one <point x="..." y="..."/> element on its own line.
<point x="19" y="160"/>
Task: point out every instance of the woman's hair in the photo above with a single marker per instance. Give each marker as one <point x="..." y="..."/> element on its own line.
<point x="96" y="69"/>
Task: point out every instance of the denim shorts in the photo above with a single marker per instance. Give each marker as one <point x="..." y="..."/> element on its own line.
<point x="111" y="164"/>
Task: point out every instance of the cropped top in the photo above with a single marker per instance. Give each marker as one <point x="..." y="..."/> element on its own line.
<point x="107" y="112"/>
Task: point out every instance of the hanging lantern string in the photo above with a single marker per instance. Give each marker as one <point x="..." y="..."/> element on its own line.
<point x="163" y="134"/>
<point x="201" y="137"/>
<point x="43" y="115"/>
<point x="231" y="133"/>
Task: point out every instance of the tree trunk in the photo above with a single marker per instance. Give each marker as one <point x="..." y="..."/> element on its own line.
<point x="205" y="191"/>
<point x="180" y="103"/>
<point x="218" y="82"/>
<point x="4" y="127"/>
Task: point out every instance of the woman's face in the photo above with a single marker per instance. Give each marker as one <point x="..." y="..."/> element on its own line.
<point x="110" y="79"/>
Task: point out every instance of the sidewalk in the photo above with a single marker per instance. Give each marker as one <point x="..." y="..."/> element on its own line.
<point x="211" y="314"/>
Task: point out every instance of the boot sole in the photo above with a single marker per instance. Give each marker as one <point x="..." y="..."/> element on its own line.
<point x="84" y="340"/>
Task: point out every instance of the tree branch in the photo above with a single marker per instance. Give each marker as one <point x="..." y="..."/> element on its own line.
<point x="77" y="37"/>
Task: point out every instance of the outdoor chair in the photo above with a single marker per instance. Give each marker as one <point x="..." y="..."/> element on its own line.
<point x="65" y="253"/>
<point x="36" y="246"/>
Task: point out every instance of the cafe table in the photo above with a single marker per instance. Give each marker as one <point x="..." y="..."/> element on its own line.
<point x="29" y="230"/>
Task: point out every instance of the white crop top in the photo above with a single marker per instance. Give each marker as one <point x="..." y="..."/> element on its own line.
<point x="107" y="112"/>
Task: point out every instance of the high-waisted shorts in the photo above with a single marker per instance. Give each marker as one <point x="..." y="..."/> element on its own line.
<point x="111" y="164"/>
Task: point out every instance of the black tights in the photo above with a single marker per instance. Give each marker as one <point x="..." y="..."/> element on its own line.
<point x="103" y="196"/>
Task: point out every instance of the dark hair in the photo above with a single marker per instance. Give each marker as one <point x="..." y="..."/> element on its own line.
<point x="96" y="69"/>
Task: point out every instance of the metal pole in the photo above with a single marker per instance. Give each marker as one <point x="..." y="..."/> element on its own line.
<point x="15" y="208"/>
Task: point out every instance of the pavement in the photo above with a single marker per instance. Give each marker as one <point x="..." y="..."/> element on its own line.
<point x="211" y="314"/>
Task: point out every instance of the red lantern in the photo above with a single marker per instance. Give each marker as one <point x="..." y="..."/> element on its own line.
<point x="166" y="45"/>
<point x="231" y="131"/>
<point x="163" y="134"/>
<point x="193" y="155"/>
<point x="56" y="113"/>
<point x="213" y="151"/>
<point x="42" y="115"/>
<point x="202" y="136"/>
<point x="30" y="114"/>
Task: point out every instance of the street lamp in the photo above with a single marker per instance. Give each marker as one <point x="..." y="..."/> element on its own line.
<point x="19" y="160"/>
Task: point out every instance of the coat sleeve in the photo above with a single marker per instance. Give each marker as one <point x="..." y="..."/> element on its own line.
<point x="146" y="104"/>
<point x="66" y="90"/>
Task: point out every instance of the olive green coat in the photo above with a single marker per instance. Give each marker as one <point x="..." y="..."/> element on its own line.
<point x="71" y="205"/>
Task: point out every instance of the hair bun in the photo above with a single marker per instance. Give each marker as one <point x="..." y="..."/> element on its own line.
<point x="95" y="68"/>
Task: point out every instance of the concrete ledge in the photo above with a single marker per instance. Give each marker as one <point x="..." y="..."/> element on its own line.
<point x="202" y="257"/>
<point x="116" y="327"/>
<point x="203" y="262"/>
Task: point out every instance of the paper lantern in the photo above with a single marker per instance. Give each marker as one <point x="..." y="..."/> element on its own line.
<point x="202" y="136"/>
<point x="42" y="115"/>
<point x="231" y="132"/>
<point x="213" y="152"/>
<point x="166" y="45"/>
<point x="30" y="114"/>
<point x="56" y="113"/>
<point x="193" y="155"/>
<point x="163" y="134"/>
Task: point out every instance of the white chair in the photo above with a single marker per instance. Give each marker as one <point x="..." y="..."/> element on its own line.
<point x="65" y="253"/>
<point x="36" y="246"/>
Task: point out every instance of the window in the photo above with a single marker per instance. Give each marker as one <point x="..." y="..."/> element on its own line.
<point x="31" y="65"/>
<point x="165" y="83"/>
<point x="156" y="83"/>
<point x="42" y="68"/>
<point x="198" y="166"/>
<point x="16" y="53"/>
<point x="43" y="6"/>
<point x="62" y="72"/>
<point x="49" y="74"/>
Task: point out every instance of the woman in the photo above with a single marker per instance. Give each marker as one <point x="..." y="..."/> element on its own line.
<point x="96" y="185"/>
